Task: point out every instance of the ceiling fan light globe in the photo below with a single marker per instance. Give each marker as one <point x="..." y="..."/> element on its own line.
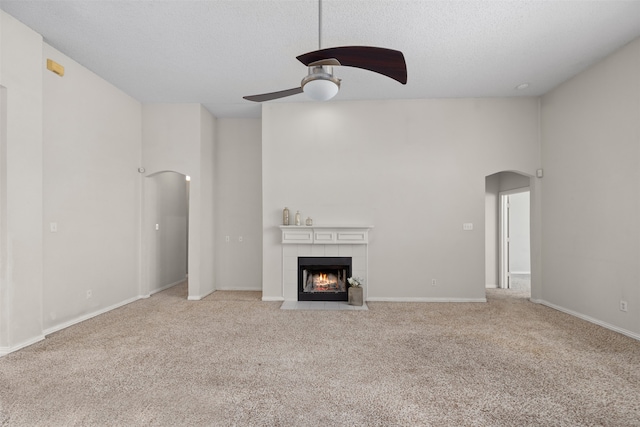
<point x="320" y="89"/>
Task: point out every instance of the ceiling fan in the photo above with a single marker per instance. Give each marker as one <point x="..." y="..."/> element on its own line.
<point x="320" y="84"/>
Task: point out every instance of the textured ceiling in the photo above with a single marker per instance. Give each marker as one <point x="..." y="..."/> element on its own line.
<point x="214" y="52"/>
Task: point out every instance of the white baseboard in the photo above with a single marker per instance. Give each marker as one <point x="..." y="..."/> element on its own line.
<point x="491" y="286"/>
<point x="88" y="316"/>
<point x="250" y="289"/>
<point x="6" y="350"/>
<point x="199" y="297"/>
<point x="424" y="299"/>
<point x="165" y="287"/>
<point x="588" y="319"/>
<point x="399" y="299"/>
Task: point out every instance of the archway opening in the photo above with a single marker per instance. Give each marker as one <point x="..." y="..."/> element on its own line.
<point x="507" y="232"/>
<point x="167" y="230"/>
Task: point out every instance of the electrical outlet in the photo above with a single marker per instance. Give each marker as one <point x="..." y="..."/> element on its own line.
<point x="623" y="305"/>
<point x="240" y="239"/>
<point x="89" y="294"/>
<point x="433" y="282"/>
<point x="226" y="239"/>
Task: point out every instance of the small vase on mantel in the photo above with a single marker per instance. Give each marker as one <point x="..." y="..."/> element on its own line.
<point x="298" y="218"/>
<point x="285" y="216"/>
<point x="355" y="295"/>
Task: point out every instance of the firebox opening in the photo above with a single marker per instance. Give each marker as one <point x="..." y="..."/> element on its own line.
<point x="323" y="278"/>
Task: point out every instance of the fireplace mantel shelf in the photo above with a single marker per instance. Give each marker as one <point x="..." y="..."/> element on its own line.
<point x="325" y="235"/>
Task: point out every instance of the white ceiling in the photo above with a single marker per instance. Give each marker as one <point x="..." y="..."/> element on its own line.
<point x="214" y="52"/>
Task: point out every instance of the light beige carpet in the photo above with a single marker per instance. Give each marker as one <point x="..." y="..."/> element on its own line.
<point x="232" y="359"/>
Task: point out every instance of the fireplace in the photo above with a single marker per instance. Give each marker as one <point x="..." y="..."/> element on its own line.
<point x="321" y="242"/>
<point x="323" y="278"/>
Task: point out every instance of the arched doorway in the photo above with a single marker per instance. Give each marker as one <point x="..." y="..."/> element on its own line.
<point x="507" y="231"/>
<point x="166" y="230"/>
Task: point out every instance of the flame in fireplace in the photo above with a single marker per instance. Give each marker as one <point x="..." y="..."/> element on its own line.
<point x="324" y="282"/>
<point x="322" y="278"/>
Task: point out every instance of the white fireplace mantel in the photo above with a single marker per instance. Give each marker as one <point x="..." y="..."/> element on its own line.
<point x="325" y="235"/>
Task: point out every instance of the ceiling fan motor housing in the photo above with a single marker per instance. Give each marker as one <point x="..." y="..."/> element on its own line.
<point x="320" y="84"/>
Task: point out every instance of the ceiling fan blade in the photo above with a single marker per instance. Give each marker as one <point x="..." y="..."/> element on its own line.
<point x="273" y="95"/>
<point x="329" y="61"/>
<point x="387" y="62"/>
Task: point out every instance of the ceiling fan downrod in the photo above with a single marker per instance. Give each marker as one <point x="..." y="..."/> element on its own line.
<point x="319" y="24"/>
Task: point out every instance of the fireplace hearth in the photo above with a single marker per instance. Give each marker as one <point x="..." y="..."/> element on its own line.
<point x="323" y="278"/>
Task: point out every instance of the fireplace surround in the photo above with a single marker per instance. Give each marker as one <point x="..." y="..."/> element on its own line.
<point x="322" y="242"/>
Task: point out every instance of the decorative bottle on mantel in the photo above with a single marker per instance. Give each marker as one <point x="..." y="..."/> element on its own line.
<point x="298" y="218"/>
<point x="285" y="216"/>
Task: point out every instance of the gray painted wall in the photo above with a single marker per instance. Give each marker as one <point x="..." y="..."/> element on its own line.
<point x="492" y="231"/>
<point x="21" y="249"/>
<point x="591" y="192"/>
<point x="91" y="190"/>
<point x="415" y="170"/>
<point x="238" y="215"/>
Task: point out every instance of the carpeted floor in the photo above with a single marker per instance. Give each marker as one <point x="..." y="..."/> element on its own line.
<point x="232" y="359"/>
